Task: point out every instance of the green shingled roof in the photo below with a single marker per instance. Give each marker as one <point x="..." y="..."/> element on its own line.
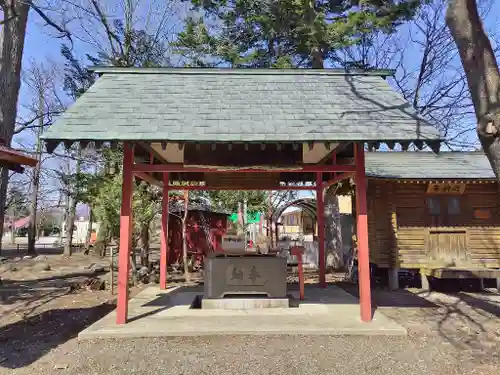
<point x="231" y="105"/>
<point x="428" y="165"/>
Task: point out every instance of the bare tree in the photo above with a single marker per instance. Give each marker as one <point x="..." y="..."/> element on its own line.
<point x="39" y="106"/>
<point x="11" y="50"/>
<point x="428" y="70"/>
<point x="481" y="70"/>
<point x="12" y="37"/>
<point x="114" y="28"/>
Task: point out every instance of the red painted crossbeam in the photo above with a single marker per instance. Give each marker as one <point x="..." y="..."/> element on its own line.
<point x="266" y="188"/>
<point x="294" y="169"/>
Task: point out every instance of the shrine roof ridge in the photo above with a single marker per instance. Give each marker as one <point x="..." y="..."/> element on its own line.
<point x="242" y="71"/>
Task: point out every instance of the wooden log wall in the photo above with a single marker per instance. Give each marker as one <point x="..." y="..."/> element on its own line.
<point x="404" y="234"/>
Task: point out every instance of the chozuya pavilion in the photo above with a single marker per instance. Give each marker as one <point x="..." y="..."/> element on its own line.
<point x="265" y="129"/>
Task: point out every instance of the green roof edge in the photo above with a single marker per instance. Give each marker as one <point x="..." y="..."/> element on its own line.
<point x="242" y="71"/>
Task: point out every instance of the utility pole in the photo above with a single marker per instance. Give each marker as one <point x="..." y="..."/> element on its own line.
<point x="36" y="176"/>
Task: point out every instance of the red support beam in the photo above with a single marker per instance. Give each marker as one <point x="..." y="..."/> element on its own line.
<point x="320" y="206"/>
<point x="362" y="228"/>
<point x="125" y="234"/>
<point x="164" y="233"/>
<point x="266" y="188"/>
<point x="296" y="168"/>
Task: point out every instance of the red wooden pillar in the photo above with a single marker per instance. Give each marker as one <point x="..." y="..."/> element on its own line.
<point x="125" y="234"/>
<point x="362" y="234"/>
<point x="320" y="212"/>
<point x="164" y="233"/>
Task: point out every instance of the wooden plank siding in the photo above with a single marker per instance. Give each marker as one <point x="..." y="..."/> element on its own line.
<point x="404" y="234"/>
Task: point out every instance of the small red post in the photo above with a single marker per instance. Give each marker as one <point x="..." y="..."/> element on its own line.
<point x="362" y="229"/>
<point x="125" y="234"/>
<point x="320" y="212"/>
<point x="164" y="233"/>
<point x="298" y="251"/>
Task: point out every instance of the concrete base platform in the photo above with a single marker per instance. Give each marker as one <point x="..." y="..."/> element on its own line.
<point x="156" y="313"/>
<point x="244" y="303"/>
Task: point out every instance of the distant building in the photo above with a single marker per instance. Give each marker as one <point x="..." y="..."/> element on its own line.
<point x="301" y="220"/>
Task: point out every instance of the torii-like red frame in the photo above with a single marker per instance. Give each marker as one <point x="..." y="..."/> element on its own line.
<point x="358" y="170"/>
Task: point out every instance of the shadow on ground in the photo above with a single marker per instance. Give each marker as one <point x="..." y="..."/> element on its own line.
<point x="457" y="312"/>
<point x="386" y="298"/>
<point x="14" y="291"/>
<point x="27" y="340"/>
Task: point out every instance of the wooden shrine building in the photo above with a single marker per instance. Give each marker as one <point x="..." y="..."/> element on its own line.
<point x="15" y="160"/>
<point x="249" y="129"/>
<point x="437" y="213"/>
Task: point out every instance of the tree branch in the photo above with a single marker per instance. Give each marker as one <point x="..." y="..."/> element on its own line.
<point x="5" y="21"/>
<point x="64" y="33"/>
<point x="109" y="33"/>
<point x="21" y="126"/>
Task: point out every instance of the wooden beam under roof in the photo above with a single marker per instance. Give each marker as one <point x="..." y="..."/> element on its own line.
<point x="148" y="148"/>
<point x="148" y="178"/>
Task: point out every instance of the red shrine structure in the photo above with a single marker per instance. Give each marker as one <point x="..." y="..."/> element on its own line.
<point x="205" y="228"/>
<point x="251" y="129"/>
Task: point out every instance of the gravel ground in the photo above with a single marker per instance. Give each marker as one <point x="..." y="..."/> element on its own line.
<point x="257" y="355"/>
<point x="448" y="334"/>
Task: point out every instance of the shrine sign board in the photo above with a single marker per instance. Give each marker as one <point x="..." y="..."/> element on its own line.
<point x="446" y="188"/>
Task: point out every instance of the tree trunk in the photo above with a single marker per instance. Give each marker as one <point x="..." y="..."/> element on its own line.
<point x="4" y="181"/>
<point x="102" y="238"/>
<point x="70" y="224"/>
<point x="184" y="236"/>
<point x="481" y="70"/>
<point x="36" y="178"/>
<point x="317" y="60"/>
<point x="70" y="220"/>
<point x="334" y="251"/>
<point x="144" y="237"/>
<point x="88" y="236"/>
<point x="12" y="33"/>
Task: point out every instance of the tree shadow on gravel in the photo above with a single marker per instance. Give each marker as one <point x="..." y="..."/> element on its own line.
<point x="13" y="291"/>
<point x="25" y="341"/>
<point x="471" y="323"/>
<point x="387" y="298"/>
